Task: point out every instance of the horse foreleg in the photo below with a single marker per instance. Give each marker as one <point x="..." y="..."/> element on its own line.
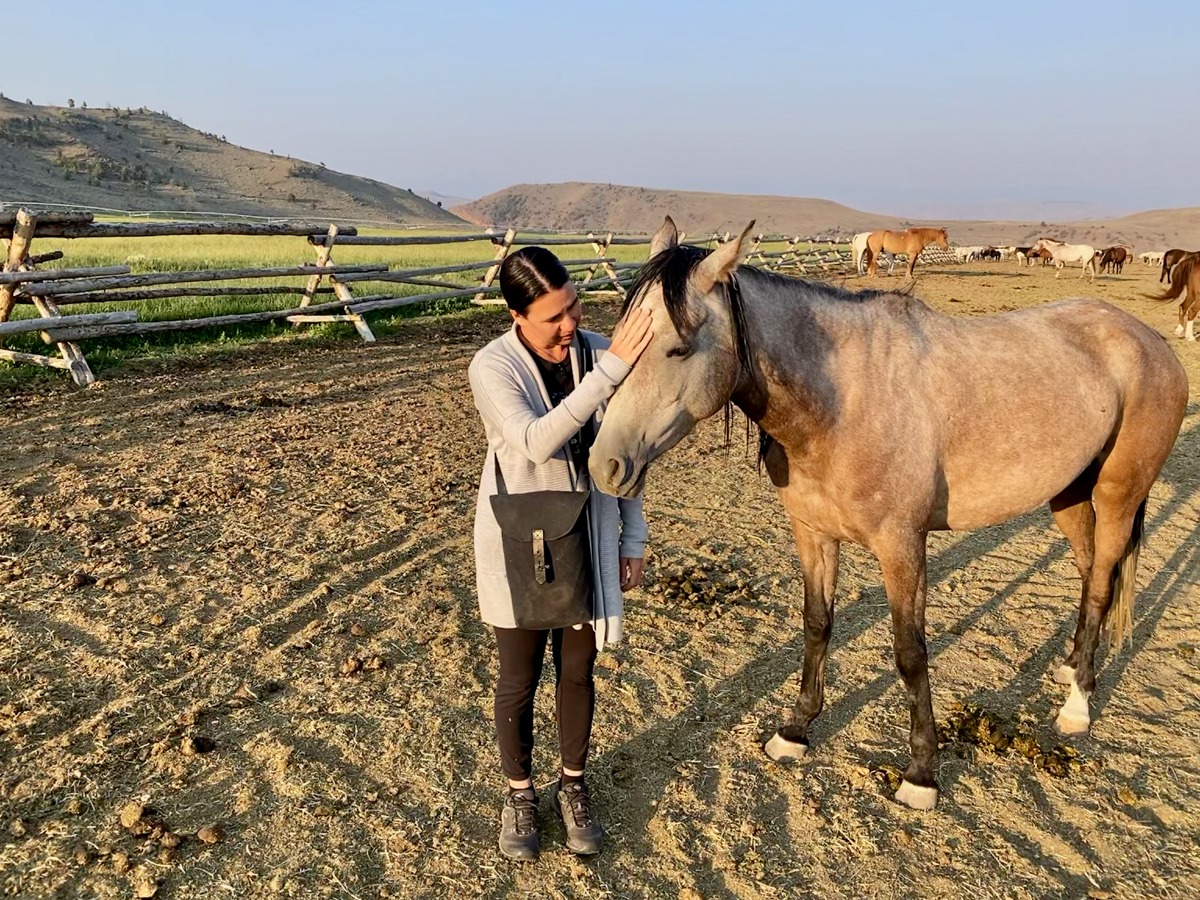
<point x="819" y="563"/>
<point x="1058" y="267"/>
<point x="902" y="558"/>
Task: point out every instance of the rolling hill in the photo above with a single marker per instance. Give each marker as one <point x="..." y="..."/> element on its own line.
<point x="578" y="206"/>
<point x="143" y="160"/>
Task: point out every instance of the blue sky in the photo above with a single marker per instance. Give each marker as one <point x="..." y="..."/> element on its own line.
<point x="918" y="109"/>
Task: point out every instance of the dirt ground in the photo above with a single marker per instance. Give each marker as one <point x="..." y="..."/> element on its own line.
<point x="237" y="600"/>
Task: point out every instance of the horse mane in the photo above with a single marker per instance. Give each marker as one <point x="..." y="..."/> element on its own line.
<point x="672" y="269"/>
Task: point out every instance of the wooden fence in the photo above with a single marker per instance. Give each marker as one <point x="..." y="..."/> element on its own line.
<point x="49" y="290"/>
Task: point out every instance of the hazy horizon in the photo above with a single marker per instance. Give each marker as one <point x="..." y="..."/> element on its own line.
<point x="1034" y="113"/>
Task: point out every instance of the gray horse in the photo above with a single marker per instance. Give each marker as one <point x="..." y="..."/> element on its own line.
<point x="883" y="420"/>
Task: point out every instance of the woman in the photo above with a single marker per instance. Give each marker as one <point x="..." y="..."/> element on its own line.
<point x="538" y="413"/>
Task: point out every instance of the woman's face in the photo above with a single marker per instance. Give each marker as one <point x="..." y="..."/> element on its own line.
<point x="549" y="322"/>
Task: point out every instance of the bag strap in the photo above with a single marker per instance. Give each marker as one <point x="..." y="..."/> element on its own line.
<point x="500" y="488"/>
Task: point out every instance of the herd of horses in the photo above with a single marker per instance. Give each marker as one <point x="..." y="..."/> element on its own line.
<point x="1180" y="268"/>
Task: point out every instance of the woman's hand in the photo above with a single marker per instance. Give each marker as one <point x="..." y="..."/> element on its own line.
<point x="632" y="336"/>
<point x="631" y="572"/>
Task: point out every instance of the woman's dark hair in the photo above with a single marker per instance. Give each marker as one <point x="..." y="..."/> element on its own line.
<point x="528" y="274"/>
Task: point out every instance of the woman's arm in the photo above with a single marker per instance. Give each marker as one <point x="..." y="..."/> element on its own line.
<point x="501" y="399"/>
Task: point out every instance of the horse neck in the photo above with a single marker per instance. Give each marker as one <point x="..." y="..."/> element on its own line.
<point x="791" y="329"/>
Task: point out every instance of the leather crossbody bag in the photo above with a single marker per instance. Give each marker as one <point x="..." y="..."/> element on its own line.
<point x="547" y="548"/>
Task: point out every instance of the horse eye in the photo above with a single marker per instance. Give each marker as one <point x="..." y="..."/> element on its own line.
<point x="683" y="352"/>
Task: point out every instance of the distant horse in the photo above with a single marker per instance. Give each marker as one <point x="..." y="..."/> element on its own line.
<point x="1114" y="259"/>
<point x="1036" y="254"/>
<point x="883" y="419"/>
<point x="1168" y="262"/>
<point x="1069" y="253"/>
<point x="859" y="247"/>
<point x="1022" y="254"/>
<point x="1154" y="258"/>
<point x="910" y="242"/>
<point x="1186" y="276"/>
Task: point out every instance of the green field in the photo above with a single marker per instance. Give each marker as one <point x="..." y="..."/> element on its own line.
<point x="167" y="254"/>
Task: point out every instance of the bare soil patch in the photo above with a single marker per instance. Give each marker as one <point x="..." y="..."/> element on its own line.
<point x="240" y="655"/>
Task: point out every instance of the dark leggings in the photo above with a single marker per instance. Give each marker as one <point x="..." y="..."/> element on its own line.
<point x="521" y="655"/>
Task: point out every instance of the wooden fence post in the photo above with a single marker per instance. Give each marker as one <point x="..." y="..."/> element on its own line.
<point x="341" y="291"/>
<point x="18" y="249"/>
<point x="18" y="252"/>
<point x="601" y="248"/>
<point x="754" y="249"/>
<point x="490" y="275"/>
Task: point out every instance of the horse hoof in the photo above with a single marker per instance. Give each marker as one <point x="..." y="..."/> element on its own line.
<point x="1068" y="724"/>
<point x="1064" y="675"/>
<point x="781" y="749"/>
<point x="916" y="797"/>
<point x="1074" y="717"/>
<point x="1178" y="331"/>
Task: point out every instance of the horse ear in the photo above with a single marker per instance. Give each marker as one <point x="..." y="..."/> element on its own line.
<point x="666" y="238"/>
<point x="717" y="265"/>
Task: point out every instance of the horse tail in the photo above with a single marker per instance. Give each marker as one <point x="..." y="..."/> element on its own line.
<point x="1118" y="622"/>
<point x="1179" y="280"/>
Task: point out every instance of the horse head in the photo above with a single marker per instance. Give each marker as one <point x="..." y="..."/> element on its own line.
<point x="691" y="367"/>
<point x="942" y="240"/>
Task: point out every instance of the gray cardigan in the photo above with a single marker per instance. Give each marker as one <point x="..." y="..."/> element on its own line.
<point x="529" y="438"/>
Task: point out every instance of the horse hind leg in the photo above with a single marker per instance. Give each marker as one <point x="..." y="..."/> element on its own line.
<point x="1118" y="535"/>
<point x="819" y="564"/>
<point x="1076" y="518"/>
<point x="1153" y="413"/>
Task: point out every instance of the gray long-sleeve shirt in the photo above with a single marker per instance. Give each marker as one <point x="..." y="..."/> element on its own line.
<point x="529" y="438"/>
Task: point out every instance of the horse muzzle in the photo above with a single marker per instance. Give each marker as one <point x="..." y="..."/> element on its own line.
<point x="621" y="476"/>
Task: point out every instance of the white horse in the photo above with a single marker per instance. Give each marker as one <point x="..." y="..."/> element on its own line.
<point x="858" y="246"/>
<point x="1154" y="257"/>
<point x="1069" y="253"/>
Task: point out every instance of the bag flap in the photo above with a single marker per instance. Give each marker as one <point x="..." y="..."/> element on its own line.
<point x="554" y="512"/>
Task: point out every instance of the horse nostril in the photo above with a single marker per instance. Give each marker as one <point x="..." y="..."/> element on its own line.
<point x="614" y="471"/>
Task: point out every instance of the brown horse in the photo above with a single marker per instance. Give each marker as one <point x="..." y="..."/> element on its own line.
<point x="1184" y="277"/>
<point x="1169" y="259"/>
<point x="883" y="420"/>
<point x="1114" y="259"/>
<point x="910" y="242"/>
<point x="1043" y="255"/>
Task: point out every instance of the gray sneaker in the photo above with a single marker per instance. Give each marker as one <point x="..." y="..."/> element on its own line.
<point x="518" y="826"/>
<point x="573" y="805"/>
